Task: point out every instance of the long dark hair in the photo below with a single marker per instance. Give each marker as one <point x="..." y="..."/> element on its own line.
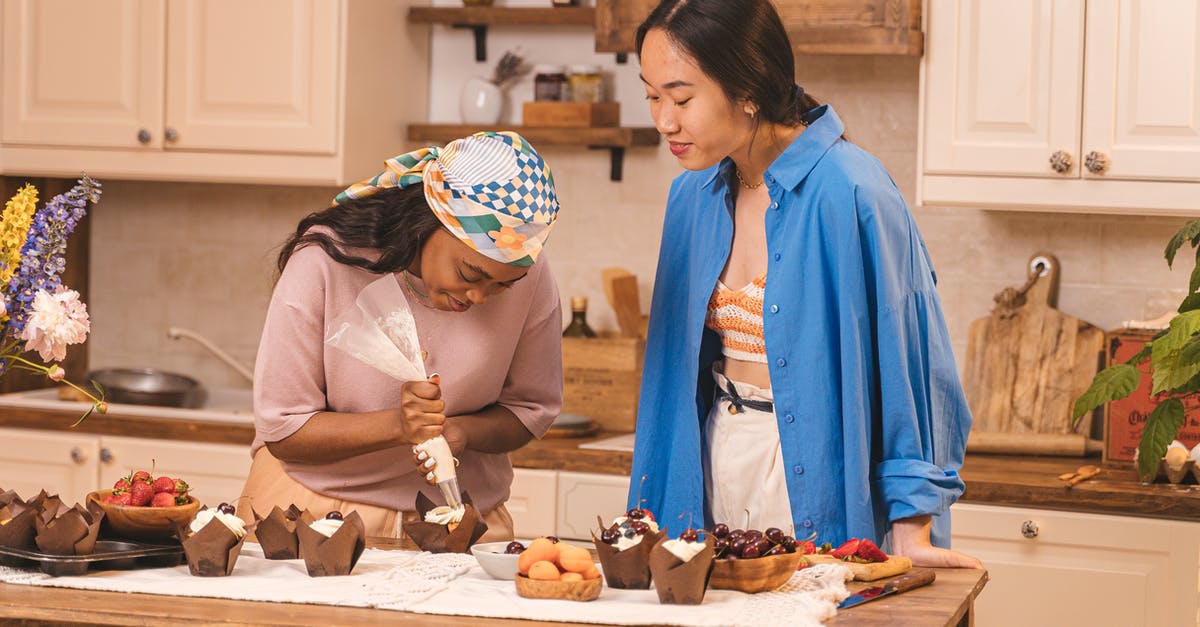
<point x="743" y="46"/>
<point x="394" y="221"/>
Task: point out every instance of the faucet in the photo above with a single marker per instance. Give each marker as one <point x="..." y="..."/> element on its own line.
<point x="175" y="333"/>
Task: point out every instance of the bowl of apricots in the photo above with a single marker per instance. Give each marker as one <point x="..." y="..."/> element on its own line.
<point x="549" y="569"/>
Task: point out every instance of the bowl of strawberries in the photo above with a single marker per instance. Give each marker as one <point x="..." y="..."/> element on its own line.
<point x="144" y="507"/>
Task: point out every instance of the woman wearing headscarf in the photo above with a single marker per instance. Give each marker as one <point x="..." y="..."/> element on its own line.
<point x="460" y="229"/>
<point x="798" y="371"/>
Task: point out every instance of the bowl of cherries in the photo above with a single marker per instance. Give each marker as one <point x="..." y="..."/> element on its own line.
<point x="753" y="560"/>
<point x="499" y="559"/>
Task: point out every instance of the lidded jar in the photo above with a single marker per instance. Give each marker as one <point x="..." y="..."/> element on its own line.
<point x="586" y="83"/>
<point x="549" y="82"/>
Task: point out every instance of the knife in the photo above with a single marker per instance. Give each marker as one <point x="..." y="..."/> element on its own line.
<point x="914" y="578"/>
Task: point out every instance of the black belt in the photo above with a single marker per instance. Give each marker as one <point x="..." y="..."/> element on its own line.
<point x="737" y="404"/>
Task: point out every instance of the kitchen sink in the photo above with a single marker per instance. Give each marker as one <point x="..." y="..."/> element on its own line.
<point x="221" y="405"/>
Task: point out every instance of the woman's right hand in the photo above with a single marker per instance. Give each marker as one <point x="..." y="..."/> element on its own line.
<point x="421" y="409"/>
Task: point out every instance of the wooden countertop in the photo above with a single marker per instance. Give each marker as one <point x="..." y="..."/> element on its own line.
<point x="946" y="601"/>
<point x="1015" y="480"/>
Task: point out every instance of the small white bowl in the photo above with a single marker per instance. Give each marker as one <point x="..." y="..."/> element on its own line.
<point x="495" y="561"/>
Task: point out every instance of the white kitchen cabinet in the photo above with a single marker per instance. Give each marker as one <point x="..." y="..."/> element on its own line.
<point x="73" y="464"/>
<point x="274" y="91"/>
<point x="1109" y="90"/>
<point x="582" y="496"/>
<point x="532" y="502"/>
<point x="1059" y="568"/>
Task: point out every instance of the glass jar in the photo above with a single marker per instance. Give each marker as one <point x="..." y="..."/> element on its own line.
<point x="586" y="85"/>
<point x="549" y="83"/>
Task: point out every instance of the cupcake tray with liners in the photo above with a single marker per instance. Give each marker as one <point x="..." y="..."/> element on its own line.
<point x="108" y="555"/>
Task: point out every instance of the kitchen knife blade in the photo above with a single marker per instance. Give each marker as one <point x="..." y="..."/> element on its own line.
<point x="914" y="578"/>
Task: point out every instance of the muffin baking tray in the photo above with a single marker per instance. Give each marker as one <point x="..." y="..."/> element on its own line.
<point x="109" y="555"/>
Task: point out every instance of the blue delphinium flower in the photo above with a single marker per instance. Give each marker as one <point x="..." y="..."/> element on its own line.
<point x="42" y="260"/>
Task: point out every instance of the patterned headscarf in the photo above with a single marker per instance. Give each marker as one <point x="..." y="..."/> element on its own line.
<point x="491" y="190"/>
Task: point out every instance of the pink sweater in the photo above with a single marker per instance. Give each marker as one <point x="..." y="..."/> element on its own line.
<point x="507" y="350"/>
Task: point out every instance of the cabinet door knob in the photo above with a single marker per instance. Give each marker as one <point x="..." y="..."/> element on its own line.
<point x="1029" y="529"/>
<point x="1096" y="162"/>
<point x="143" y="136"/>
<point x="1061" y="161"/>
<point x="77" y="455"/>
<point x="170" y="134"/>
<point x="106" y="455"/>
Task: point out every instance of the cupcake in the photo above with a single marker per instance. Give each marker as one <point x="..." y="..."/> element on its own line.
<point x="333" y="544"/>
<point x="443" y="529"/>
<point x="69" y="531"/>
<point x="277" y="532"/>
<point x="212" y="541"/>
<point x="16" y="523"/>
<point x="681" y="568"/>
<point x="624" y="548"/>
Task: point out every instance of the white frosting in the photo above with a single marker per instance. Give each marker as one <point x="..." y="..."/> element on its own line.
<point x="625" y="543"/>
<point x="685" y="551"/>
<point x="621" y="519"/>
<point x="439" y="450"/>
<point x="326" y="526"/>
<point x="1176" y="444"/>
<point x="203" y="517"/>
<point x="1195" y="454"/>
<point x="444" y="515"/>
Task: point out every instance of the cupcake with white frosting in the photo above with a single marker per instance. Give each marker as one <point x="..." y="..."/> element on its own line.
<point x="681" y="568"/>
<point x="443" y="529"/>
<point x="332" y="545"/>
<point x="212" y="541"/>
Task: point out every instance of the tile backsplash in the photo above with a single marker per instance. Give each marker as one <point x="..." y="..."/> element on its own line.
<point x="201" y="256"/>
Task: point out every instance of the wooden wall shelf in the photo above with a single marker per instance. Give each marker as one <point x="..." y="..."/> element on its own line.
<point x="479" y="18"/>
<point x="615" y="139"/>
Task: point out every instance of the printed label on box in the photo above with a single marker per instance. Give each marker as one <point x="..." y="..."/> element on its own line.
<point x="1127" y="416"/>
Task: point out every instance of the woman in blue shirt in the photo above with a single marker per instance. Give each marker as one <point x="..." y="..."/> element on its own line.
<point x="798" y="370"/>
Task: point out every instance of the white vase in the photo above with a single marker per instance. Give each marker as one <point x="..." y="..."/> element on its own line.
<point x="481" y="102"/>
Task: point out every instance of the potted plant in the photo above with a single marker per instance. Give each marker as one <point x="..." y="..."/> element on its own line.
<point x="1174" y="358"/>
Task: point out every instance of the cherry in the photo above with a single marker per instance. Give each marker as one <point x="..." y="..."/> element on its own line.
<point x="753" y="534"/>
<point x="226" y="508"/>
<point x="552" y="539"/>
<point x="789" y="544"/>
<point x="750" y="551"/>
<point x="737" y="544"/>
<point x="776" y="550"/>
<point x="689" y="535"/>
<point x="514" y="548"/>
<point x="774" y="534"/>
<point x="635" y="513"/>
<point x="736" y="533"/>
<point x="763" y="545"/>
<point x="610" y="536"/>
<point x="639" y="527"/>
<point x="333" y="516"/>
<point x="720" y="544"/>
<point x="720" y="530"/>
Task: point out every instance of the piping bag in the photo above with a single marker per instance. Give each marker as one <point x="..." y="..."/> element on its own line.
<point x="380" y="332"/>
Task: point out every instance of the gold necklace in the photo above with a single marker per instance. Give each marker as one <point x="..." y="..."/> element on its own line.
<point x="412" y="289"/>
<point x="741" y="180"/>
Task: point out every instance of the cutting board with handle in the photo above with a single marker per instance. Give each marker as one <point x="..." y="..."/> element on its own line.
<point x="1026" y="364"/>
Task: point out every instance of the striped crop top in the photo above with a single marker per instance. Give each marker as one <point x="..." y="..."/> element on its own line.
<point x="737" y="317"/>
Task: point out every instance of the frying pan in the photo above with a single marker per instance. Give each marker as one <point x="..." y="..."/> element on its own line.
<point x="148" y="386"/>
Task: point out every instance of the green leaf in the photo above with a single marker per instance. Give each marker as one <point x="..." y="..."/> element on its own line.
<point x="1190" y="353"/>
<point x="1193" y="385"/>
<point x="1141" y="355"/>
<point x="1189" y="232"/>
<point x="1191" y="303"/>
<point x="1108" y="385"/>
<point x="1170" y="369"/>
<point x="1162" y="425"/>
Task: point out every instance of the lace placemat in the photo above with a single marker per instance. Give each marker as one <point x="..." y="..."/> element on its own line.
<point x="453" y="584"/>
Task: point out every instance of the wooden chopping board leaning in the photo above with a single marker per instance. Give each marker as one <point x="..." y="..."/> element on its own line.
<point x="1026" y="364"/>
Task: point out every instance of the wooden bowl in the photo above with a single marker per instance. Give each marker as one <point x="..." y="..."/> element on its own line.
<point x="586" y="590"/>
<point x="152" y="524"/>
<point x="759" y="574"/>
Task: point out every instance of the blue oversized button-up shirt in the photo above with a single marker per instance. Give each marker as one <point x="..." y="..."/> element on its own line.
<point x="872" y="418"/>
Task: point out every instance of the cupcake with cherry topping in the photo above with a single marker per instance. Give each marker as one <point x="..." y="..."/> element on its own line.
<point x="443" y="529"/>
<point x="333" y="544"/>
<point x="212" y="541"/>
<point x="624" y="548"/>
<point x="681" y="568"/>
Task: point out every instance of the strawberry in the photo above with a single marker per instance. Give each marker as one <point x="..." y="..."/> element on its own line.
<point x="806" y="547"/>
<point x="141" y="493"/>
<point x="847" y="549"/>
<point x="869" y="552"/>
<point x="121" y="484"/>
<point x="163" y="499"/>
<point x="181" y="487"/>
<point x="164" y="484"/>
<point x="141" y="475"/>
<point x="119" y="497"/>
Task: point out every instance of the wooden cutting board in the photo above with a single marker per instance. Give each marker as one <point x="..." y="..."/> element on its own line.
<point x="1027" y="362"/>
<point x="868" y="571"/>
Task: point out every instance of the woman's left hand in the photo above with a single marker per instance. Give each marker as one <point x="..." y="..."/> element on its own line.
<point x="910" y="538"/>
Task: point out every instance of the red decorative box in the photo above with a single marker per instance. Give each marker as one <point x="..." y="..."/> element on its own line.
<point x="1125" y="417"/>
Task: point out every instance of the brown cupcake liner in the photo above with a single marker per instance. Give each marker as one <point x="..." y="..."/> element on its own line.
<point x="72" y="531"/>
<point x="276" y="533"/>
<point x="628" y="569"/>
<point x="212" y="551"/>
<point x="436" y="538"/>
<point x="337" y="554"/>
<point x="17" y="525"/>
<point x="678" y="582"/>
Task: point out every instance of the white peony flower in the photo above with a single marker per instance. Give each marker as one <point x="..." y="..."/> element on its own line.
<point x="56" y="321"/>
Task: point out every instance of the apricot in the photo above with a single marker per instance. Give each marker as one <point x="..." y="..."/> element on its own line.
<point x="539" y="550"/>
<point x="593" y="573"/>
<point x="571" y="577"/>
<point x="544" y="570"/>
<point x="574" y="559"/>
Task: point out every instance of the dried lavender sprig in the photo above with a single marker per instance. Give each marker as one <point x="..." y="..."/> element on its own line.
<point x="509" y="68"/>
<point x="43" y="255"/>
